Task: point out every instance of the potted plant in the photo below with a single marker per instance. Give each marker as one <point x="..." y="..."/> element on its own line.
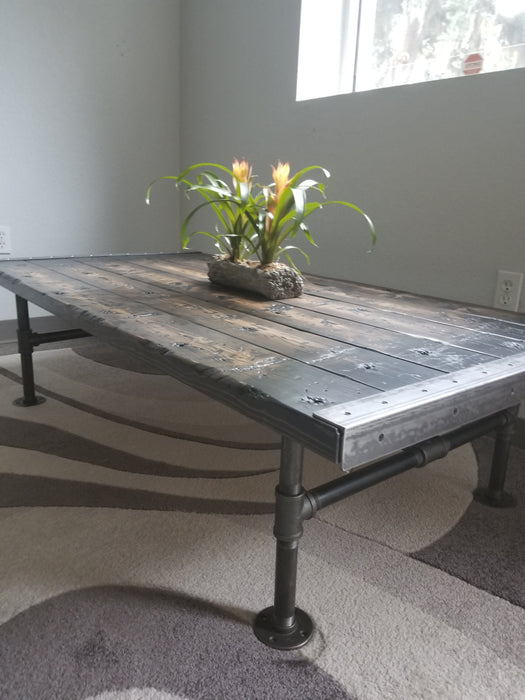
<point x="254" y="223"/>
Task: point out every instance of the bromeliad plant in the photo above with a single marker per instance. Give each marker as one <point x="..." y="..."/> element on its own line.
<point x="254" y="220"/>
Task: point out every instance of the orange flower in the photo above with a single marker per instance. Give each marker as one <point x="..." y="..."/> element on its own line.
<point x="280" y="177"/>
<point x="242" y="172"/>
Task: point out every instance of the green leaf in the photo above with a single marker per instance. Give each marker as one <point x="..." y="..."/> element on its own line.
<point x="249" y="226"/>
<point x="295" y="179"/>
<point x="299" y="196"/>
<point x="222" y="191"/>
<point x="201" y="166"/>
<point x="244" y="191"/>
<point x="185" y="237"/>
<point x="287" y="256"/>
<point x="162" y="177"/>
<point x="360" y="211"/>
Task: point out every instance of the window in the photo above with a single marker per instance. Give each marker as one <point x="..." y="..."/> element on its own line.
<point x="353" y="45"/>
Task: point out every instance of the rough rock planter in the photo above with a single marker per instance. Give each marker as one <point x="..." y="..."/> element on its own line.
<point x="273" y="281"/>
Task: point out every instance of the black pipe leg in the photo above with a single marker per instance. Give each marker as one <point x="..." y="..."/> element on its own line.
<point x="283" y="625"/>
<point x="25" y="348"/>
<point x="494" y="494"/>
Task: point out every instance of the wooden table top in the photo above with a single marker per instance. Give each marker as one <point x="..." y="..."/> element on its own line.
<point x="353" y="372"/>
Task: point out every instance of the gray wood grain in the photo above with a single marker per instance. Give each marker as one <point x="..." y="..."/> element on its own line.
<point x="278" y="362"/>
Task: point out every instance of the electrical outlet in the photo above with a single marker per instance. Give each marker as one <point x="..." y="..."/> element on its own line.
<point x="5" y="240"/>
<point x="508" y="290"/>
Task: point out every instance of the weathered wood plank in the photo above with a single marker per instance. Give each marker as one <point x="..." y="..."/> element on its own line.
<point x="367" y="366"/>
<point x="182" y="360"/>
<point x="406" y="345"/>
<point x="438" y="355"/>
<point x="470" y="317"/>
<point x="279" y="363"/>
<point x="276" y="390"/>
<point x="431" y="308"/>
<point x="408" y="308"/>
<point x="458" y="336"/>
<point x="474" y="317"/>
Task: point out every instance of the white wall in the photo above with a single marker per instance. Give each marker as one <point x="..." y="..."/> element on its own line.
<point x="89" y="95"/>
<point x="439" y="166"/>
<point x="90" y="100"/>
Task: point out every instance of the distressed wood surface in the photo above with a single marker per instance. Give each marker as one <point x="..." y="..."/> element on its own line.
<point x="279" y="362"/>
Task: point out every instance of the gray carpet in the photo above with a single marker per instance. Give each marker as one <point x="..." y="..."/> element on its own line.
<point x="136" y="548"/>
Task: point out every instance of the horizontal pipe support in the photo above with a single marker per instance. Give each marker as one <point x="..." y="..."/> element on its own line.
<point x="414" y="457"/>
<point x="56" y="336"/>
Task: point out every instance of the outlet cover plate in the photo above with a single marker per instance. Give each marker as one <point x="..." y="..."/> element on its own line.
<point x="5" y="240"/>
<point x="508" y="290"/>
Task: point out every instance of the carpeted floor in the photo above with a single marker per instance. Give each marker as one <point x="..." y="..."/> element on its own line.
<point x="136" y="547"/>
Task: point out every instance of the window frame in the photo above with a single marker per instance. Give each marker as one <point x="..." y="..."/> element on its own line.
<point x="338" y="35"/>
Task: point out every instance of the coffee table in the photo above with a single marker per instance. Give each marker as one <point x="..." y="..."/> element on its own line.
<point x="377" y="381"/>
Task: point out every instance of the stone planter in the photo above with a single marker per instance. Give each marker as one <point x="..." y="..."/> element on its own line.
<point x="274" y="281"/>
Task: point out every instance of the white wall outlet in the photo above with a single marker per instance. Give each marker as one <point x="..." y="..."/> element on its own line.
<point x="508" y="290"/>
<point x="5" y="240"/>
